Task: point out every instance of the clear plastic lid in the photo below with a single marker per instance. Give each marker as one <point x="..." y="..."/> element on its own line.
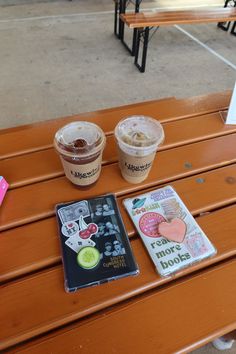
<point x="139" y="134"/>
<point x="79" y="139"/>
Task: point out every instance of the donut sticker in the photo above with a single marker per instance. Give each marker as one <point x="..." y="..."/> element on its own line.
<point x="149" y="223"/>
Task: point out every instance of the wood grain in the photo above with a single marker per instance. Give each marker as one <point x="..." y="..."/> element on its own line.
<point x="198" y="159"/>
<point x="174" y="17"/>
<point x="45" y="291"/>
<point x="39" y="136"/>
<point x="23" y="243"/>
<point x="45" y="164"/>
<point x="37" y="201"/>
<point x="179" y="311"/>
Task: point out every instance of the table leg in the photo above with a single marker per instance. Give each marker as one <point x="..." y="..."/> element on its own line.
<point x="145" y="34"/>
<point x="122" y="9"/>
<point x="115" y="18"/>
<point x="225" y="25"/>
<point x="233" y="29"/>
<point x="135" y="31"/>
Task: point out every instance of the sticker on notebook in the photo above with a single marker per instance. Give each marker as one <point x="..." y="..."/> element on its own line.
<point x="74" y="211"/>
<point x="172" y="209"/>
<point x="76" y="243"/>
<point x="149" y="222"/>
<point x="175" y="230"/>
<point x="88" y="257"/>
<point x="195" y="245"/>
<point x="87" y="230"/>
<point x="138" y="203"/>
<point x="69" y="228"/>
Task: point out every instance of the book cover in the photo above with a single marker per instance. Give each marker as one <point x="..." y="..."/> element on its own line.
<point x="94" y="243"/>
<point x="171" y="235"/>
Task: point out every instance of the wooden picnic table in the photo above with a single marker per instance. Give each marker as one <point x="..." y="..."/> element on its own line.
<point x="144" y="312"/>
<point x="142" y="23"/>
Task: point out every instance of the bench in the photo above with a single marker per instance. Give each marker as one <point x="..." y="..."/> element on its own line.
<point x="226" y="25"/>
<point x="143" y="22"/>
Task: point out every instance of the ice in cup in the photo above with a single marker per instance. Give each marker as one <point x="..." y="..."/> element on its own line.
<point x="80" y="146"/>
<point x="138" y="138"/>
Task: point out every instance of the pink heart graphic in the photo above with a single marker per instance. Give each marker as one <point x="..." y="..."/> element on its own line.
<point x="174" y="230"/>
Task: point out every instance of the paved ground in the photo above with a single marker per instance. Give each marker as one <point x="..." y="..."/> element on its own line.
<point x="61" y="57"/>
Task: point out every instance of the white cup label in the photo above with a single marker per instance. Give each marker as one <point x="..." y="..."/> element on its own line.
<point x="85" y="174"/>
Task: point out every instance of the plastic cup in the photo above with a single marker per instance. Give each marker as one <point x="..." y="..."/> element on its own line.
<point x="138" y="138"/>
<point x="80" y="146"/>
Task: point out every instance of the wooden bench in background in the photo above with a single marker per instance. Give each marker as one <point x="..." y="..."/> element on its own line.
<point x="143" y="22"/>
<point x="226" y="25"/>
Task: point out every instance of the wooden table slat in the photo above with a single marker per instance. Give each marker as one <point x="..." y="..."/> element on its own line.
<point x="45" y="290"/>
<point x="42" y="165"/>
<point x="179" y="311"/>
<point x="218" y="189"/>
<point x="37" y="201"/>
<point x="39" y="136"/>
<point x="198" y="159"/>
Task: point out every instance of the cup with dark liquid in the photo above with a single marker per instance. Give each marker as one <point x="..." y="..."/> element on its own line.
<point x="80" y="146"/>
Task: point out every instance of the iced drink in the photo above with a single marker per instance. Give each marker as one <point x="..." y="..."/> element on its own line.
<point x="80" y="146"/>
<point x="138" y="138"/>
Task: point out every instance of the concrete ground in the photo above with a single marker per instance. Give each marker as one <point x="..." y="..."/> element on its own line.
<point x="59" y="58"/>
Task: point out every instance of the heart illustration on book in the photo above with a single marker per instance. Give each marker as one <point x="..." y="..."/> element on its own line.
<point x="174" y="230"/>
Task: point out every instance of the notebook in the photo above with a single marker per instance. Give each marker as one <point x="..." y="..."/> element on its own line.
<point x="171" y="235"/>
<point x="94" y="243"/>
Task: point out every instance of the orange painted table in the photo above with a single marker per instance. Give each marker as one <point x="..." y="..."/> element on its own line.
<point x="145" y="312"/>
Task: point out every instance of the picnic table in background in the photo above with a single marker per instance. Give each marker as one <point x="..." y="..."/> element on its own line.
<point x="226" y="25"/>
<point x="145" y="312"/>
<point x="142" y="23"/>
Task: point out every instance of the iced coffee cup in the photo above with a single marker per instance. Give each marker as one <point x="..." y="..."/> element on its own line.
<point x="138" y="138"/>
<point x="80" y="146"/>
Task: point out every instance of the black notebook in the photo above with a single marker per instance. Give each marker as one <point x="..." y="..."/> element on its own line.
<point x="95" y="245"/>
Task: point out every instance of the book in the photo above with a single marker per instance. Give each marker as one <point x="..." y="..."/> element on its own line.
<point x="3" y="188"/>
<point x="94" y="243"/>
<point x="171" y="235"/>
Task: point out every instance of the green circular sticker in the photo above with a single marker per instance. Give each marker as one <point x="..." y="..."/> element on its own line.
<point x="88" y="257"/>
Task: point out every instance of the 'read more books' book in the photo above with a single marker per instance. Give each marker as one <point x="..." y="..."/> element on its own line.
<point x="95" y="246"/>
<point x="171" y="235"/>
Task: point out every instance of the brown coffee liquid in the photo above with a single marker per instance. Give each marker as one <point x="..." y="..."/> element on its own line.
<point x="79" y="146"/>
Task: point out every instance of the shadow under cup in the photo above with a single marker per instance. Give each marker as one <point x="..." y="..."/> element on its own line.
<point x="138" y="138"/>
<point x="80" y="146"/>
